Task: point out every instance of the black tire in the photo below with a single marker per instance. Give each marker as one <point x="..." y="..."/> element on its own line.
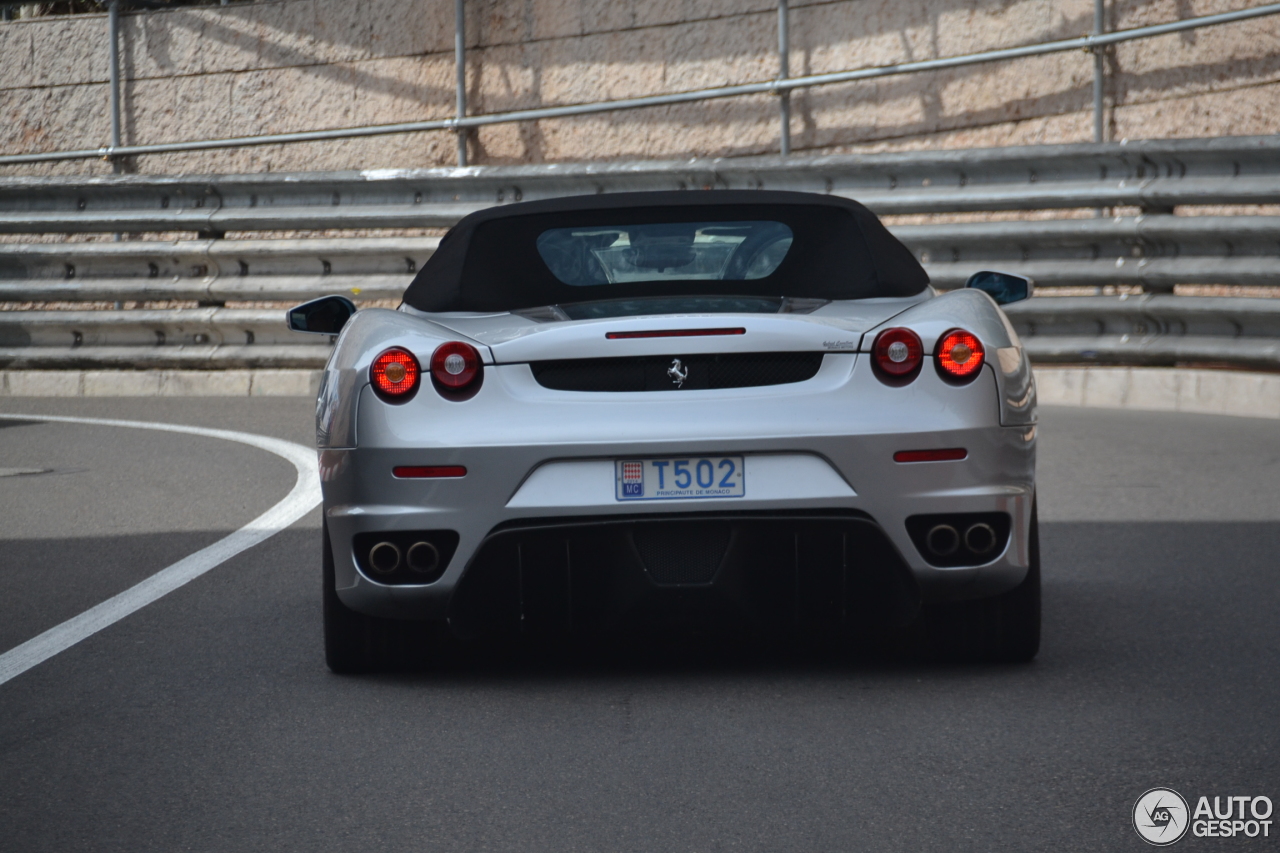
<point x="1002" y="628"/>
<point x="353" y="642"/>
<point x="1018" y="610"/>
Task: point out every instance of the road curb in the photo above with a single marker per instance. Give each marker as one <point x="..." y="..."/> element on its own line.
<point x="1216" y="392"/>
<point x="1155" y="389"/>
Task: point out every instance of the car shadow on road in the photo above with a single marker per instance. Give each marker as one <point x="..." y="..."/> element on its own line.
<point x="1116" y="596"/>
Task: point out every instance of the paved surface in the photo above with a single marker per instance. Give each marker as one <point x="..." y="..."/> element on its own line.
<point x="207" y="720"/>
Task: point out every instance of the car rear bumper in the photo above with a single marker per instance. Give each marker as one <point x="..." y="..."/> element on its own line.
<point x="485" y="525"/>
<point x="824" y="449"/>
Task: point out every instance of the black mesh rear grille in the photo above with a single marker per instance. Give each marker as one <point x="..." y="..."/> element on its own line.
<point x="682" y="553"/>
<point x="661" y="373"/>
<point x="667" y="574"/>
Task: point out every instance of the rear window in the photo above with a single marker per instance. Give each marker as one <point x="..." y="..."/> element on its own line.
<point x="664" y="252"/>
<point x="737" y="244"/>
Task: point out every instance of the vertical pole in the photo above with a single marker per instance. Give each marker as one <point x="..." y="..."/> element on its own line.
<point x="784" y="71"/>
<point x="460" y="62"/>
<point x="1099" y="113"/>
<point x="113" y="37"/>
<point x="1099" y="70"/>
<point x="113" y="52"/>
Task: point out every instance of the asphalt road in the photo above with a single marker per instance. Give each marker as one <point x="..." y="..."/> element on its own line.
<point x="207" y="720"/>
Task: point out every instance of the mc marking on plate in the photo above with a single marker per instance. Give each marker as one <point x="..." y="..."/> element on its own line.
<point x="633" y="479"/>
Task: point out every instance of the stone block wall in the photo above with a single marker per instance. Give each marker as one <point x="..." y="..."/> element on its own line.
<point x="287" y="65"/>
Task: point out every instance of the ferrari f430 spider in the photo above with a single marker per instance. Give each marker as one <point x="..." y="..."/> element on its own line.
<point x="616" y="413"/>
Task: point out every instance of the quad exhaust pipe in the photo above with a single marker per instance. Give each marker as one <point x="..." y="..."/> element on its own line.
<point x="404" y="557"/>
<point x="980" y="538"/>
<point x="423" y="557"/>
<point x="385" y="557"/>
<point x="944" y="540"/>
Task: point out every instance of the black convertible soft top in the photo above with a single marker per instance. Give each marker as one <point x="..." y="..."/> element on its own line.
<point x="490" y="260"/>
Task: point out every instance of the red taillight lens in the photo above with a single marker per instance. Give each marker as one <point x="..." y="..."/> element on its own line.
<point x="428" y="472"/>
<point x="949" y="454"/>
<point x="455" y="366"/>
<point x="674" y="333"/>
<point x="395" y="374"/>
<point x="959" y="355"/>
<point x="897" y="354"/>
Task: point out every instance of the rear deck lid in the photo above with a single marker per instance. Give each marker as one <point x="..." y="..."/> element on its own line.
<point x="549" y="334"/>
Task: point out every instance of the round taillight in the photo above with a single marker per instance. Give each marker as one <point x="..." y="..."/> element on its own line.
<point x="897" y="355"/>
<point x="959" y="355"/>
<point x="395" y="375"/>
<point x="455" y="367"/>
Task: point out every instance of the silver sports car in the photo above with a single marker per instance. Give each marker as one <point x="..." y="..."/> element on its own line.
<point x="718" y="411"/>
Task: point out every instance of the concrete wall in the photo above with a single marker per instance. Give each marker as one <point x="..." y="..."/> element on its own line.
<point x="282" y="65"/>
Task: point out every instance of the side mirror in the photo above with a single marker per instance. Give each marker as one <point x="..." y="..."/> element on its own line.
<point x="1003" y="287"/>
<point x="324" y="316"/>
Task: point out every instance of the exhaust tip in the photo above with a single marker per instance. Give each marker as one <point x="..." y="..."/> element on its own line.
<point x="943" y="540"/>
<point x="423" y="557"/>
<point x="980" y="538"/>
<point x="384" y="557"/>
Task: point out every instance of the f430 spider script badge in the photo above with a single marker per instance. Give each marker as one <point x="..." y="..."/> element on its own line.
<point x="678" y="372"/>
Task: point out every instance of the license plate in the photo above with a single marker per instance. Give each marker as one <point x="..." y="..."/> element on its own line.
<point x="680" y="478"/>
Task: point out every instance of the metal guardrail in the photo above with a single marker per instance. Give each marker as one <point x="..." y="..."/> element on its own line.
<point x="210" y="271"/>
<point x="1155" y="175"/>
<point x="1151" y="330"/>
<point x="194" y="338"/>
<point x="187" y="357"/>
<point x="1155" y="249"/>
<point x="1155" y="252"/>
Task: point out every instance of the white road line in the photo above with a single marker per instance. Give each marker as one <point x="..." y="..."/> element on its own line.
<point x="301" y="499"/>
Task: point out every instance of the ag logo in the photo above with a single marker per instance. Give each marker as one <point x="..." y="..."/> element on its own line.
<point x="1160" y="816"/>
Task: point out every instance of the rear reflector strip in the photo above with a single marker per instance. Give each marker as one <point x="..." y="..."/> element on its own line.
<point x="949" y="455"/>
<point x="428" y="471"/>
<point x="673" y="333"/>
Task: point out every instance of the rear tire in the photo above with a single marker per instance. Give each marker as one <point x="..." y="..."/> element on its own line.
<point x="1002" y="628"/>
<point x="353" y="642"/>
<point x="1019" y="609"/>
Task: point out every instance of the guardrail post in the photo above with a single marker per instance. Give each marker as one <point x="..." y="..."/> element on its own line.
<point x="460" y="63"/>
<point x="1099" y="72"/>
<point x="784" y="71"/>
<point x="113" y="76"/>
<point x="1099" y="78"/>
<point x="113" y="38"/>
